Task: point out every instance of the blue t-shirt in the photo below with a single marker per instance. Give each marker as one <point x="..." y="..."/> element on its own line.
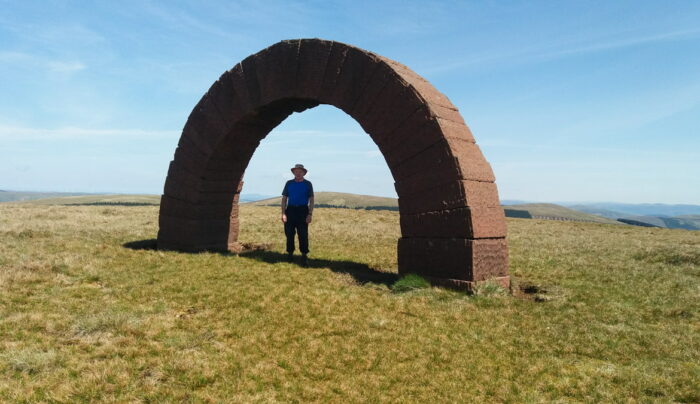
<point x="298" y="193"/>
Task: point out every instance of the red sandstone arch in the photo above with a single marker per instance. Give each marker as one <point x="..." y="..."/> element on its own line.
<point x="452" y="226"/>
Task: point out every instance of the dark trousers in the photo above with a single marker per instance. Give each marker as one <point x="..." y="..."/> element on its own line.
<point x="296" y="223"/>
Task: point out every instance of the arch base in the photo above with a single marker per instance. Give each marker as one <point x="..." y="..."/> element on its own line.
<point x="455" y="262"/>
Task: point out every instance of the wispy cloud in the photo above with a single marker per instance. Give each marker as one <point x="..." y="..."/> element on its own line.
<point x="15" y="57"/>
<point x="65" y="67"/>
<point x="540" y="54"/>
<point x="586" y="152"/>
<point x="293" y="136"/>
<point x="69" y="132"/>
<point x="37" y="62"/>
<point x="52" y="33"/>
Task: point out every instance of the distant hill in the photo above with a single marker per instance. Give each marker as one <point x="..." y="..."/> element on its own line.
<point x="597" y="213"/>
<point x="687" y="222"/>
<point x="553" y="212"/>
<point x="610" y="214"/>
<point x="13" y="196"/>
<point x="637" y="209"/>
<point x="114" y="199"/>
<point x="340" y="199"/>
<point x="59" y="198"/>
<point x="253" y="197"/>
<point x="658" y="215"/>
<point x="531" y="210"/>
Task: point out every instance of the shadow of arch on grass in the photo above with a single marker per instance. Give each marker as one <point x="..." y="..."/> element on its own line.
<point x="362" y="273"/>
<point x="147" y="244"/>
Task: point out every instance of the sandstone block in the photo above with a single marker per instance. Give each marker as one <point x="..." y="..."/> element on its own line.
<point x="355" y="74"/>
<point x="473" y="222"/>
<point x="455" y="130"/>
<point x="218" y="197"/>
<point x="396" y="103"/>
<point x="447" y="160"/>
<point x="193" y="231"/>
<point x="223" y="94"/>
<point x="230" y="175"/>
<point x="276" y="68"/>
<point x="366" y="103"/>
<point x="336" y="58"/>
<point x="240" y="88"/>
<point x="187" y="210"/>
<point x="414" y="135"/>
<point x="453" y="258"/>
<point x="188" y="156"/>
<point x="181" y="184"/>
<point x="446" y="113"/>
<point x="313" y="59"/>
<point x="205" y="126"/>
<point x="251" y="81"/>
<point x="449" y="195"/>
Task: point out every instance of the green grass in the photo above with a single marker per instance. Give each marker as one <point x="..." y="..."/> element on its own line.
<point x="599" y="313"/>
<point x="410" y="283"/>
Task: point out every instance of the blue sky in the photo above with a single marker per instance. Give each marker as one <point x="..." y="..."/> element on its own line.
<point x="570" y="101"/>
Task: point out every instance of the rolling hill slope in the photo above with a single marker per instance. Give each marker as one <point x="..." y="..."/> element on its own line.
<point x="659" y="217"/>
<point x="530" y="210"/>
<point x="555" y="212"/>
<point x="114" y="199"/>
<point x="14" y="196"/>
<point x="340" y="199"/>
<point x="355" y="201"/>
<point x="686" y="222"/>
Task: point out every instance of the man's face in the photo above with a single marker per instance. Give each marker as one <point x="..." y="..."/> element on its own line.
<point x="298" y="173"/>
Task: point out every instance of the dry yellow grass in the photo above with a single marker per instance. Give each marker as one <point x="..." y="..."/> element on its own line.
<point x="601" y="313"/>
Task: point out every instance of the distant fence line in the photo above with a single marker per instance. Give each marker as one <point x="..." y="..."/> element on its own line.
<point x="112" y="204"/>
<point x="566" y="219"/>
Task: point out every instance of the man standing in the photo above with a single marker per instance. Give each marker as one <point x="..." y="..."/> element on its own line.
<point x="297" y="208"/>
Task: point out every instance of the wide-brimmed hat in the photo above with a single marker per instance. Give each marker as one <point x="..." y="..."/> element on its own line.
<point x="299" y="166"/>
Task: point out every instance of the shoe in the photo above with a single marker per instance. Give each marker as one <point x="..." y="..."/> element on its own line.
<point x="290" y="257"/>
<point x="304" y="261"/>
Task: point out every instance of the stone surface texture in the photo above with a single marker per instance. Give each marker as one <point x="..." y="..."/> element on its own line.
<point x="453" y="228"/>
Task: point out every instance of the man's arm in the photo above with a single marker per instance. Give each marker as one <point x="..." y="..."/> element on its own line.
<point x="284" y="207"/>
<point x="283" y="204"/>
<point x="311" y="201"/>
<point x="311" y="209"/>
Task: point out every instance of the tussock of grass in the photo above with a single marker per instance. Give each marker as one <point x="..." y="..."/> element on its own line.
<point x="106" y="322"/>
<point x="91" y="312"/>
<point x="29" y="361"/>
<point x="490" y="289"/>
<point x="410" y="283"/>
<point x="671" y="255"/>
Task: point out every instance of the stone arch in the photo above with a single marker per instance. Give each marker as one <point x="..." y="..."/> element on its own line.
<point x="452" y="226"/>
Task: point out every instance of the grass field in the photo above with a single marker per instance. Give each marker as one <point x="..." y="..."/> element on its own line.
<point x="599" y="313"/>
